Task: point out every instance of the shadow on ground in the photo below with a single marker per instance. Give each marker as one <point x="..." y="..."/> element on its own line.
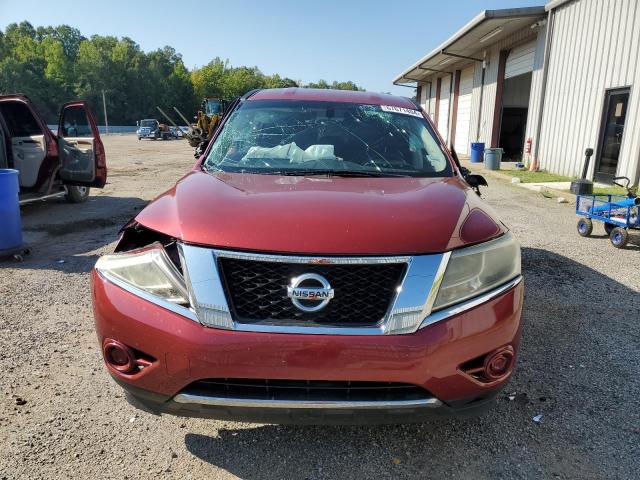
<point x="633" y="245"/>
<point x="573" y="369"/>
<point x="62" y="236"/>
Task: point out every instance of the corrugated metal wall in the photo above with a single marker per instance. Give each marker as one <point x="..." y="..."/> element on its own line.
<point x="491" y="76"/>
<point x="536" y="89"/>
<point x="427" y="100"/>
<point x="595" y="46"/>
<point x="444" y="110"/>
<point x="463" y="120"/>
<point x="489" y="95"/>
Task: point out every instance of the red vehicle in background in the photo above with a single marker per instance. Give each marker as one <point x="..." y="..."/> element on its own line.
<point x="325" y="261"/>
<point x="50" y="165"/>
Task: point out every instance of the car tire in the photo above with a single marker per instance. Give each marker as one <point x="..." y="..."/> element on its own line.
<point x="608" y="227"/>
<point x="77" y="193"/>
<point x="585" y="227"/>
<point x="139" y="138"/>
<point x="619" y="237"/>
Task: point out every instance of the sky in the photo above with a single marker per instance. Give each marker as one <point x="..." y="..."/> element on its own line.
<point x="368" y="42"/>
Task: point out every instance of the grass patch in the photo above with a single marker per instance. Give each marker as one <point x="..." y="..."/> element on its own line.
<point x="526" y="176"/>
<point x="613" y="190"/>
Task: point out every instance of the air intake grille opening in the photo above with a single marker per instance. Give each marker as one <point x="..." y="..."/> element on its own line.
<point x="257" y="292"/>
<point x="306" y="390"/>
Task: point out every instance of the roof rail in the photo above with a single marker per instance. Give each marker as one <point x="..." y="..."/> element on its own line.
<point x="250" y="93"/>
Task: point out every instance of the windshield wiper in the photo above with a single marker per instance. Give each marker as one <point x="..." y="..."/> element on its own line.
<point x="308" y="172"/>
<point x="337" y="173"/>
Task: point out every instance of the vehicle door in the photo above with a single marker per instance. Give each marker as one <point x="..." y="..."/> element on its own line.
<point x="27" y="138"/>
<point x="80" y="146"/>
<point x="4" y="160"/>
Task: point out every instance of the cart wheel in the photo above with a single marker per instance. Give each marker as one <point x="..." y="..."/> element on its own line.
<point x="608" y="227"/>
<point x="585" y="227"/>
<point x="619" y="237"/>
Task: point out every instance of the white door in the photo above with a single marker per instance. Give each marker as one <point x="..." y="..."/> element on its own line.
<point x="463" y="120"/>
<point x="443" y="109"/>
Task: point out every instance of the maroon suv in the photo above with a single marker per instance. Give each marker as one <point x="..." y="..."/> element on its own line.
<point x="51" y="165"/>
<point x="326" y="260"/>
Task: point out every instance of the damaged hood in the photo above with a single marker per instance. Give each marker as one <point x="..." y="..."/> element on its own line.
<point x="322" y="215"/>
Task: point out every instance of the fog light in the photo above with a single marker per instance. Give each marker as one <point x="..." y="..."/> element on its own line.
<point x="118" y="356"/>
<point x="498" y="364"/>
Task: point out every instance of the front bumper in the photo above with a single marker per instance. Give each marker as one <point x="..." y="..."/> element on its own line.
<point x="147" y="135"/>
<point x="184" y="352"/>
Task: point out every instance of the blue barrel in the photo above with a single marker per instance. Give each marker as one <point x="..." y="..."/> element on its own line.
<point x="10" y="227"/>
<point x="477" y="152"/>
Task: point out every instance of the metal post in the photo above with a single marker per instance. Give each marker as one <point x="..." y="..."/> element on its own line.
<point x="585" y="170"/>
<point x="104" y="106"/>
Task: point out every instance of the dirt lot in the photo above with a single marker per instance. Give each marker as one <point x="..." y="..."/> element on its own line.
<point x="61" y="416"/>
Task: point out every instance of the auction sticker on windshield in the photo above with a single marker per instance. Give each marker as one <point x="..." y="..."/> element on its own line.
<point x="403" y="111"/>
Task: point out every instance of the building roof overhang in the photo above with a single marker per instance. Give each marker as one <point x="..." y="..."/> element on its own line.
<point x="468" y="43"/>
<point x="555" y="4"/>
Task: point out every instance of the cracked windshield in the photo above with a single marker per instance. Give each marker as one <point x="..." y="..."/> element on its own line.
<point x="322" y="138"/>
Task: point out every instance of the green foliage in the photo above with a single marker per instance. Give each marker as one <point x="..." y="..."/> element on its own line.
<point x="219" y="79"/>
<point x="53" y="65"/>
<point x="335" y="85"/>
<point x="612" y="190"/>
<point x="526" y="176"/>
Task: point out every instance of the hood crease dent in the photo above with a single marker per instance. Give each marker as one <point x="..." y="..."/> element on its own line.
<point x="320" y="215"/>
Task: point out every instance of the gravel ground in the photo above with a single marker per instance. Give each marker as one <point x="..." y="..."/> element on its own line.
<point x="61" y="416"/>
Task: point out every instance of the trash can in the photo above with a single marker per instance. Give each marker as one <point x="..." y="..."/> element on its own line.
<point x="11" y="230"/>
<point x="492" y="158"/>
<point x="477" y="152"/>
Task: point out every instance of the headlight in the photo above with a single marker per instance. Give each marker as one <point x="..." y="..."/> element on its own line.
<point x="148" y="269"/>
<point x="478" y="269"/>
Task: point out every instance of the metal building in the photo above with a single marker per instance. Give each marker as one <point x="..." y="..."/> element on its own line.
<point x="543" y="83"/>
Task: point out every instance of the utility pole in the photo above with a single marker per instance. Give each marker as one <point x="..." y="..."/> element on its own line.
<point x="104" y="106"/>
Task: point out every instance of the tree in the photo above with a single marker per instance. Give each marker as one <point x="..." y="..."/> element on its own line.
<point x="274" y="81"/>
<point x="53" y="65"/>
<point x="69" y="37"/>
<point x="334" y="86"/>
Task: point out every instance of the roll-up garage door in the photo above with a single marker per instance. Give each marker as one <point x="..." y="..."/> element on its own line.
<point x="463" y="120"/>
<point x="520" y="60"/>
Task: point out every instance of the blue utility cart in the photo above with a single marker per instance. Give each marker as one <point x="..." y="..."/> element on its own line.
<point x="619" y="213"/>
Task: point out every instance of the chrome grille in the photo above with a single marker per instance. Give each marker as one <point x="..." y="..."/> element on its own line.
<point x="257" y="291"/>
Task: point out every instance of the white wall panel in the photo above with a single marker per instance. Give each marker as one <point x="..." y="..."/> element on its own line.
<point x="595" y="47"/>
<point x="427" y="97"/>
<point x="443" y="109"/>
<point x="536" y="90"/>
<point x="463" y="120"/>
